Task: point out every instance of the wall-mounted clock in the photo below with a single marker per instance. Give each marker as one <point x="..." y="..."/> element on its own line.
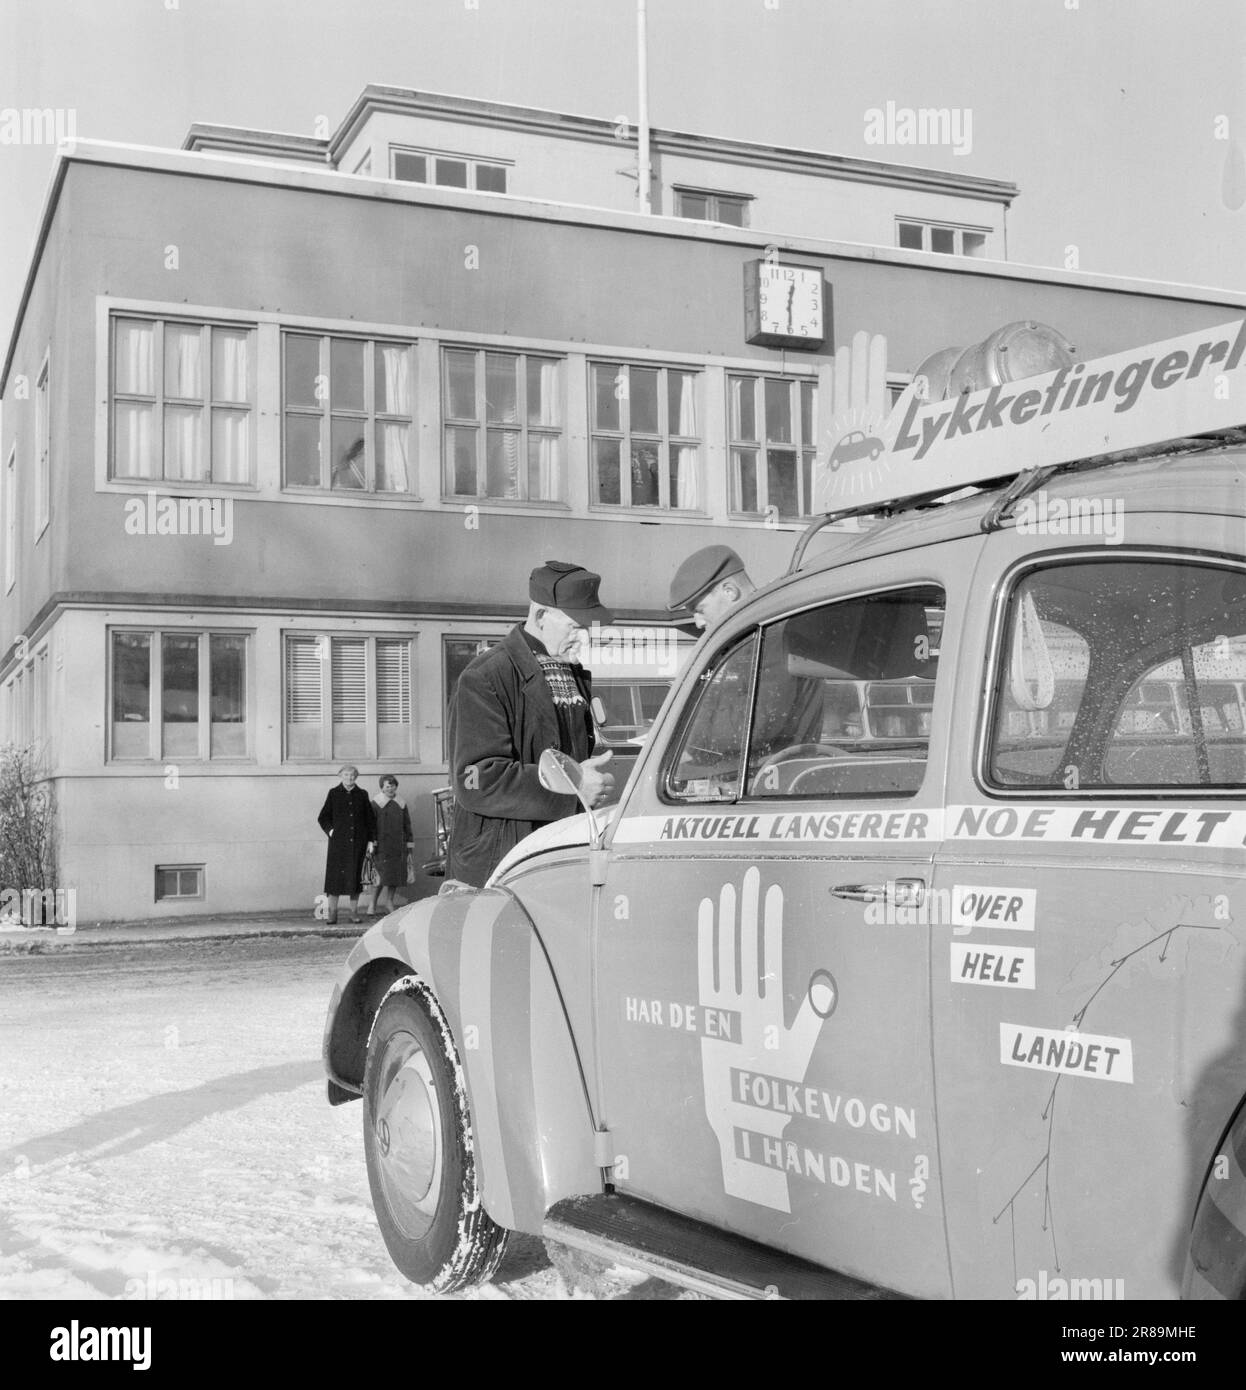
<point x="785" y="305"/>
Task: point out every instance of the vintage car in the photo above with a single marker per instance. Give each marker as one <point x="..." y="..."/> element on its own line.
<point x="873" y="965"/>
<point x="913" y="955"/>
<point x="854" y="445"/>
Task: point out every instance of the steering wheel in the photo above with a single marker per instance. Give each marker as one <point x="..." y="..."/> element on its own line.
<point x="798" y="750"/>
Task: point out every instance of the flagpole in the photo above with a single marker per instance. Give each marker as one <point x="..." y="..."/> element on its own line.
<point x="643" y="174"/>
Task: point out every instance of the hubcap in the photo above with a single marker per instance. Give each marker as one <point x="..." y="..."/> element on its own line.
<point x="407" y="1129"/>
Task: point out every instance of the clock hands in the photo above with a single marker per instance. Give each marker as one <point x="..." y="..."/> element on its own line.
<point x="771" y="307"/>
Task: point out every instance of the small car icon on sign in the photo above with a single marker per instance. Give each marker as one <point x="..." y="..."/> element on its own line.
<point x="855" y="445"/>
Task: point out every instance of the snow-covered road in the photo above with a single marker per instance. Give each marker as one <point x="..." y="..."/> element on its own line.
<point x="164" y="1133"/>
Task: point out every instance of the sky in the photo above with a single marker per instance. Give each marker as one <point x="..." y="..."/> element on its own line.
<point x="1122" y="121"/>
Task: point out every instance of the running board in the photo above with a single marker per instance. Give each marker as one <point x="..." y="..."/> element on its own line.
<point x="695" y="1256"/>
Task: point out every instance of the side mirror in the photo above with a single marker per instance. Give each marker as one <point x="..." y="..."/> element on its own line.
<point x="561" y="774"/>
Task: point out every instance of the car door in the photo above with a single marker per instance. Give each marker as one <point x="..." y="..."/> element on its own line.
<point x="1089" y="976"/>
<point x="762" y="993"/>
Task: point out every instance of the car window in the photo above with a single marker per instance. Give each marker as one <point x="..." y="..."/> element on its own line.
<point x="1161" y="730"/>
<point x="708" y="752"/>
<point x="630" y="707"/>
<point x="1122" y="673"/>
<point x="844" y="698"/>
<point x="620" y="713"/>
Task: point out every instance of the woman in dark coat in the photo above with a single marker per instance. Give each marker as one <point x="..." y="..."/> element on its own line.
<point x="348" y="819"/>
<point x="393" y="837"/>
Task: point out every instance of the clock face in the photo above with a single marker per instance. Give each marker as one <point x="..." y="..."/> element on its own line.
<point x="791" y="301"/>
<point x="785" y="304"/>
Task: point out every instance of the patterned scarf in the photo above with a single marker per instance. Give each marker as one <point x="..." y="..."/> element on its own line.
<point x="561" y="682"/>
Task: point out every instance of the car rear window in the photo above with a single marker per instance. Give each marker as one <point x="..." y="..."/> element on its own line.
<point x="1122" y="673"/>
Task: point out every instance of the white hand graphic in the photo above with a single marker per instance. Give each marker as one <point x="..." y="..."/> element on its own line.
<point x="766" y="1046"/>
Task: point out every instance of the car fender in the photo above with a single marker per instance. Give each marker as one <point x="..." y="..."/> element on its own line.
<point x="1216" y="1264"/>
<point x="480" y="955"/>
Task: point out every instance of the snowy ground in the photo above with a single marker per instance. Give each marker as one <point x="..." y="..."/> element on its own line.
<point x="164" y="1133"/>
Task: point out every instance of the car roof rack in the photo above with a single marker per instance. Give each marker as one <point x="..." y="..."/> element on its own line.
<point x="1017" y="486"/>
<point x="1165" y="399"/>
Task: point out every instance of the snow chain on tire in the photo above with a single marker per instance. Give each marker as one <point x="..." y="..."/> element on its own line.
<point x="481" y="1241"/>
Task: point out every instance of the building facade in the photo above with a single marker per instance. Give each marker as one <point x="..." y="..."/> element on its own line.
<point x="285" y="427"/>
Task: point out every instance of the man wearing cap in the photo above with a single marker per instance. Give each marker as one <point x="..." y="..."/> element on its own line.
<point x="710" y="583"/>
<point x="512" y="703"/>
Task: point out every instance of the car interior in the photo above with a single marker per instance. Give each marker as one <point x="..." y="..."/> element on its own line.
<point x="1123" y="673"/>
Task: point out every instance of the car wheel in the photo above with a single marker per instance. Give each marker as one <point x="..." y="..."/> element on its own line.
<point x="417" y="1138"/>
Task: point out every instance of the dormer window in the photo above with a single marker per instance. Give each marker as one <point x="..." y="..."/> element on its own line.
<point x="447" y="170"/>
<point x="707" y="205"/>
<point x="944" y="237"/>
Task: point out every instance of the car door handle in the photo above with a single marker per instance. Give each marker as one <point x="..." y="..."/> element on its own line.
<point x="903" y="892"/>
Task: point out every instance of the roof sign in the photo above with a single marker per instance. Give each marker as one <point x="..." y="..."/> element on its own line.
<point x="1182" y="386"/>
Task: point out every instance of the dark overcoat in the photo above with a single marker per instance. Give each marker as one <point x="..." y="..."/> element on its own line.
<point x="393" y="835"/>
<point x="502" y="719"/>
<point x="349" y="820"/>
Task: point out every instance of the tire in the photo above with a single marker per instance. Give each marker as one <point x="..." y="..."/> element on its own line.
<point x="417" y="1139"/>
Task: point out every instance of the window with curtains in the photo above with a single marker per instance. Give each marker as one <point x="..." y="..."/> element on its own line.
<point x="348" y="697"/>
<point x="348" y="414"/>
<point x="183" y="401"/>
<point x="16" y="729"/>
<point x="503" y="423"/>
<point x="24" y="716"/>
<point x="10" y="520"/>
<point x="43" y="456"/>
<point x="178" y="695"/>
<point x="773" y="437"/>
<point x="38" y="674"/>
<point x="646" y="445"/>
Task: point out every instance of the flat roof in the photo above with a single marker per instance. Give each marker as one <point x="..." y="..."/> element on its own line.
<point x="444" y="106"/>
<point x="238" y="168"/>
<point x="565" y="125"/>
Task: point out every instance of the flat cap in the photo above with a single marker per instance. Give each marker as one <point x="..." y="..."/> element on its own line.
<point x="571" y="589"/>
<point x="700" y="572"/>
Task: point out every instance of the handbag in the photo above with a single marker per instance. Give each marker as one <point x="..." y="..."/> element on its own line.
<point x="369" y="876"/>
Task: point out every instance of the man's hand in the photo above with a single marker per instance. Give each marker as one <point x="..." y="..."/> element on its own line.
<point x="596" y="784"/>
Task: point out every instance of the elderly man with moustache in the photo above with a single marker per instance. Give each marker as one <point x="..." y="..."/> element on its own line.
<point x="512" y="703"/>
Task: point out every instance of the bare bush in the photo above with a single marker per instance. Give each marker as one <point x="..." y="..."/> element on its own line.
<point x="27" y="822"/>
